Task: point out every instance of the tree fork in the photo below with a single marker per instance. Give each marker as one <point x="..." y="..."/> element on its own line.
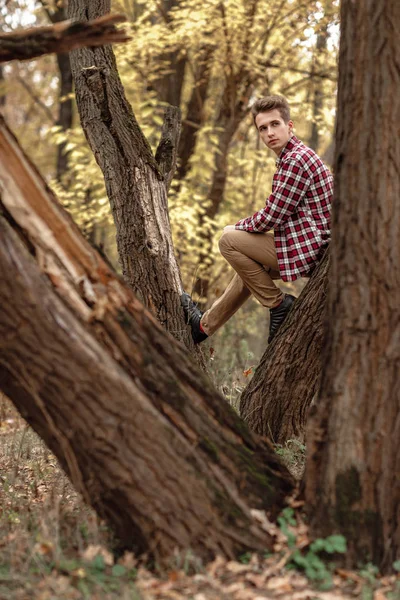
<point x="135" y="184"/>
<point x="139" y="430"/>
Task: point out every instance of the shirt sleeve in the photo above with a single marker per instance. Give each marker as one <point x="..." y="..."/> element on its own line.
<point x="289" y="187"/>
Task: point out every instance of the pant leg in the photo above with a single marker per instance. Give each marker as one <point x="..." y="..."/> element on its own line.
<point x="253" y="257"/>
<point x="225" y="306"/>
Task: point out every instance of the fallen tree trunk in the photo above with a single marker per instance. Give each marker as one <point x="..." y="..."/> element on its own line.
<point x="277" y="399"/>
<point x="138" y="428"/>
<point x="60" y="38"/>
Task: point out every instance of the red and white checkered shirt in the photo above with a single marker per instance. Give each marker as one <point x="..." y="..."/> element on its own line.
<point x="298" y="210"/>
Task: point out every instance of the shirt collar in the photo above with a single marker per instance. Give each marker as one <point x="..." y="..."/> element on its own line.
<point x="290" y="144"/>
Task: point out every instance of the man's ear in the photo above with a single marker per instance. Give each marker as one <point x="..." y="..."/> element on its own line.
<point x="291" y="125"/>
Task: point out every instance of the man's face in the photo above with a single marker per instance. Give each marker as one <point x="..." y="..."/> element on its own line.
<point x="273" y="130"/>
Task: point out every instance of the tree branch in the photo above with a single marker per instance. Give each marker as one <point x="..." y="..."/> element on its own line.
<point x="36" y="99"/>
<point x="321" y="74"/>
<point x="167" y="150"/>
<point x="62" y="37"/>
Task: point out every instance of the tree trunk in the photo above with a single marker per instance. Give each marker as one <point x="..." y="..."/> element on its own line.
<point x="353" y="483"/>
<point x="2" y="88"/>
<point x="318" y="85"/>
<point x="135" y="185"/>
<point x="277" y="399"/>
<point x="139" y="430"/>
<point x="169" y="85"/>
<point x="194" y="115"/>
<point x="65" y="112"/>
<point x="63" y="37"/>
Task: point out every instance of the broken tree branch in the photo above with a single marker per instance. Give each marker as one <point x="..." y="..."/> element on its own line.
<point x="61" y="37"/>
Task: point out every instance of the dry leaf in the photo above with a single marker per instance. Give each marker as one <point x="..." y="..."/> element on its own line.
<point x="215" y="565"/>
<point x="43" y="548"/>
<point x="378" y="595"/>
<point x="280" y="584"/>
<point x="235" y="567"/>
<point x="128" y="560"/>
<point x="92" y="551"/>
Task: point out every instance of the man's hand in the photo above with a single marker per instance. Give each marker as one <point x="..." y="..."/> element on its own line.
<point x="229" y="228"/>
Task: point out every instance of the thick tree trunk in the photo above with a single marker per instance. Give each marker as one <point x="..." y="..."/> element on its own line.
<point x="353" y="483"/>
<point x="277" y="399"/>
<point x="135" y="185"/>
<point x="139" y="430"/>
<point x="63" y="37"/>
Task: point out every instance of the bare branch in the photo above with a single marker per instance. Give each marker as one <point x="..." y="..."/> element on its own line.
<point x="62" y="37"/>
<point x="36" y="99"/>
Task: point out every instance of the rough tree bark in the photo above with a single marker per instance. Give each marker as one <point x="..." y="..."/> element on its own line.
<point x="277" y="399"/>
<point x="134" y="182"/>
<point x="353" y="483"/>
<point x="63" y="37"/>
<point x="139" y="430"/>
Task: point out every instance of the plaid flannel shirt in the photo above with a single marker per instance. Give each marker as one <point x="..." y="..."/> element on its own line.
<point x="298" y="210"/>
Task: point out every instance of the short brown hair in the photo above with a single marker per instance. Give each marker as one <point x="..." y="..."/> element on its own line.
<point x="270" y="103"/>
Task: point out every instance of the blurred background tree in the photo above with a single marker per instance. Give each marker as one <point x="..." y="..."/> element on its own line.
<point x="211" y="59"/>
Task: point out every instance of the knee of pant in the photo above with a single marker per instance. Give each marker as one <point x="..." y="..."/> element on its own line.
<point x="224" y="242"/>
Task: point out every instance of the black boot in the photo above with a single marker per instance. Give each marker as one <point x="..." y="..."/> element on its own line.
<point x="193" y="315"/>
<point x="279" y="314"/>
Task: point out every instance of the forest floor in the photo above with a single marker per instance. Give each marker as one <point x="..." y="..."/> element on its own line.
<point x="53" y="547"/>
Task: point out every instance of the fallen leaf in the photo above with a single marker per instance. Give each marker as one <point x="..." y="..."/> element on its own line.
<point x="378" y="595"/>
<point x="128" y="560"/>
<point x="93" y="550"/>
<point x="280" y="584"/>
<point x="43" y="548"/>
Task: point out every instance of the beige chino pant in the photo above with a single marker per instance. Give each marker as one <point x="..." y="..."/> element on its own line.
<point x="253" y="257"/>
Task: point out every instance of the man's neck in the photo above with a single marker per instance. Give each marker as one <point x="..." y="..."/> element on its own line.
<point x="278" y="152"/>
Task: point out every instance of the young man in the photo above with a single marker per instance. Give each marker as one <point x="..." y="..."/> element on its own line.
<point x="284" y="240"/>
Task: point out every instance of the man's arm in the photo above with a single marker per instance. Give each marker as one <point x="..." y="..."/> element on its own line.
<point x="290" y="189"/>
